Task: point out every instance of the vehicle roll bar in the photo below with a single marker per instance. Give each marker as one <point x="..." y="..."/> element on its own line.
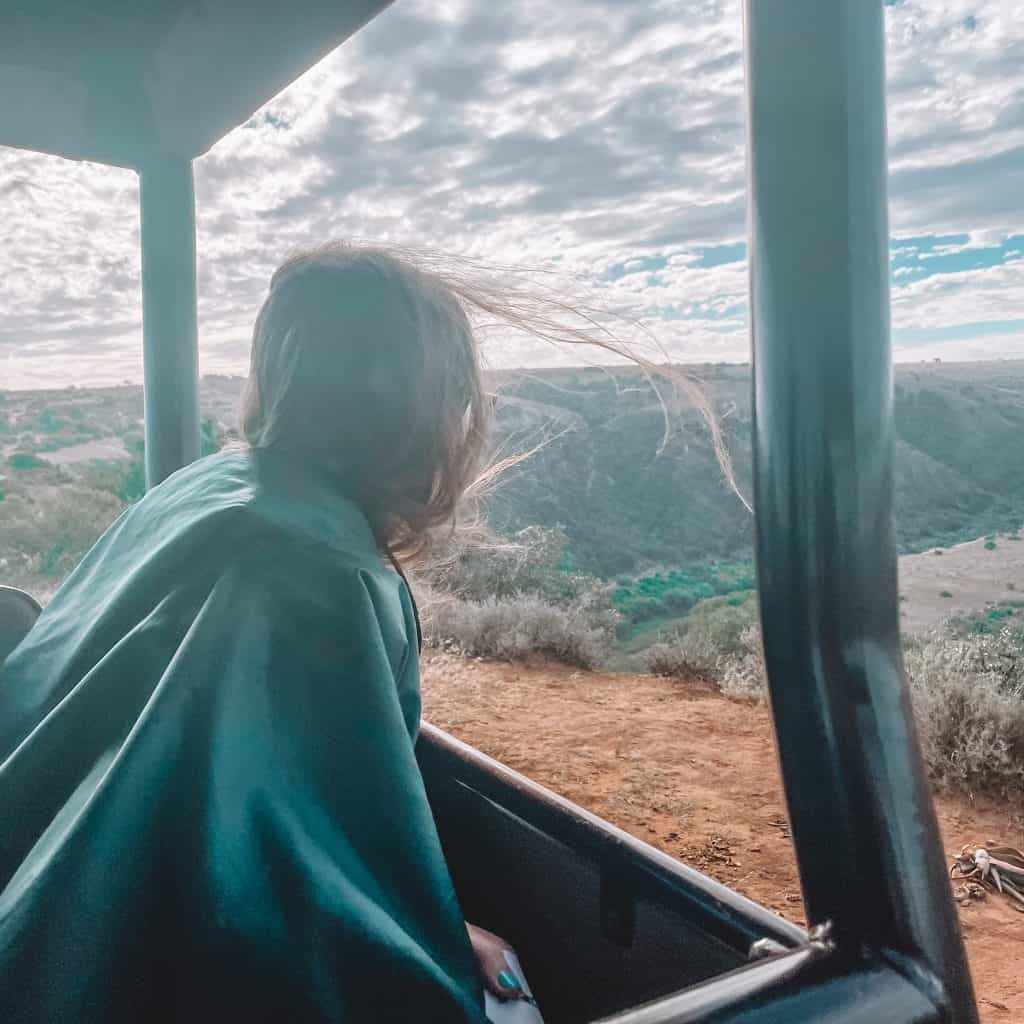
<point x="170" y="354"/>
<point x="867" y="840"/>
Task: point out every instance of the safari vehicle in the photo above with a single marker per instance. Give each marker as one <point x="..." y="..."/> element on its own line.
<point x="608" y="928"/>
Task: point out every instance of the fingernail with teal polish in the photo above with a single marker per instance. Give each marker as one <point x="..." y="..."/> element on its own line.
<point x="506" y="980"/>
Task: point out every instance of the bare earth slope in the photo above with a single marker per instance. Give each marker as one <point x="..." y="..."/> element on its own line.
<point x="960" y="580"/>
<point x="696" y="776"/>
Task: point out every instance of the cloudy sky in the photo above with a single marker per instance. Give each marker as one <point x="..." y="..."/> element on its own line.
<point x="600" y="137"/>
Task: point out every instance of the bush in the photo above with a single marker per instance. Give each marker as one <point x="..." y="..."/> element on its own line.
<point x="131" y="483"/>
<point x="983" y="623"/>
<point x="969" y="704"/>
<point x="676" y="591"/>
<point x="645" y="609"/>
<point x="513" y="628"/>
<point x="49" y="422"/>
<point x="968" y="694"/>
<point x="480" y="565"/>
<point x="743" y="675"/>
<point x="715" y="627"/>
<point x="25" y="460"/>
<point x="47" y="536"/>
<point x="714" y="635"/>
<point x="990" y="545"/>
<point x="672" y="659"/>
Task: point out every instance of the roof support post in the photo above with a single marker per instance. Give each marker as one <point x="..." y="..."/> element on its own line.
<point x="871" y="858"/>
<point x="170" y="356"/>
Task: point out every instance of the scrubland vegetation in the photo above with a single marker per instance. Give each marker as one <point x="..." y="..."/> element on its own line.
<point x="513" y="599"/>
<point x="629" y="504"/>
<point x="968" y="696"/>
<point x="609" y="548"/>
<point x="510" y="598"/>
<point x="967" y="685"/>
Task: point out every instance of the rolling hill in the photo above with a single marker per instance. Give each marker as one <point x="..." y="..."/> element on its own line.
<point x="626" y="505"/>
<point x="626" y="501"/>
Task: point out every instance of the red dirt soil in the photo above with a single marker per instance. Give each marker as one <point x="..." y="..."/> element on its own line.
<point x="695" y="775"/>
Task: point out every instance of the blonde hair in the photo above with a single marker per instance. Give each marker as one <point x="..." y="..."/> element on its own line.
<point x="365" y="360"/>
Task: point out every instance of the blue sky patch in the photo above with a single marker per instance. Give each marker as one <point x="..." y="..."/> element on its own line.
<point x="955" y="332"/>
<point x="913" y="259"/>
<point x="719" y="255"/>
<point x="639" y="265"/>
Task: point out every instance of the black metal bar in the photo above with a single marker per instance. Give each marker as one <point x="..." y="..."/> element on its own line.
<point x="726" y="915"/>
<point x="799" y="987"/>
<point x="167" y="201"/>
<point x="868" y="845"/>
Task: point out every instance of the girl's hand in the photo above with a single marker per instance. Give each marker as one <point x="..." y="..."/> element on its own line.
<point x="490" y="958"/>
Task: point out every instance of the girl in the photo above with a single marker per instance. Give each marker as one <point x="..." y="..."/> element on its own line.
<point x="210" y="801"/>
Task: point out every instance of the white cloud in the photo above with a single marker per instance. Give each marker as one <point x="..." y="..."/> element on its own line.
<point x="964" y="297"/>
<point x="594" y="131"/>
<point x="1000" y="346"/>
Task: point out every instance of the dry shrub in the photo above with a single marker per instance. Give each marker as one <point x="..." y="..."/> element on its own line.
<point x="45" y="534"/>
<point x="738" y="674"/>
<point x="672" y="659"/>
<point x="508" y="598"/>
<point x="513" y="628"/>
<point x="743" y="674"/>
<point x="717" y="634"/>
<point x="968" y="698"/>
<point x="475" y="564"/>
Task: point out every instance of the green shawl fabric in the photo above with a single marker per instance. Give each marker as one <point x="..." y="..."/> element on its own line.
<point x="210" y="807"/>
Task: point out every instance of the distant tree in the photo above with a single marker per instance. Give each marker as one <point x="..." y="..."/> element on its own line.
<point x="132" y="483"/>
<point x="210" y="439"/>
<point x="49" y="422"/>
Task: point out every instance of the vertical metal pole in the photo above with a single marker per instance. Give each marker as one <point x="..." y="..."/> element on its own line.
<point x="870" y="854"/>
<point x="167" y="201"/>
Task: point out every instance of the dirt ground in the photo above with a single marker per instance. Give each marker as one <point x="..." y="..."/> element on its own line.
<point x="961" y="580"/>
<point x="696" y="776"/>
<point x="107" y="449"/>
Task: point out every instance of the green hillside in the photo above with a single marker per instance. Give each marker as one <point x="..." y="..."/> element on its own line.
<point x="628" y="505"/>
<point x="625" y="507"/>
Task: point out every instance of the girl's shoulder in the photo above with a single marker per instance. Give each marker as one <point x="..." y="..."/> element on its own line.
<point x="268" y="496"/>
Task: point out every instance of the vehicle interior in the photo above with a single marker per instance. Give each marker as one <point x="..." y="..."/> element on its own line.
<point x="607" y="927"/>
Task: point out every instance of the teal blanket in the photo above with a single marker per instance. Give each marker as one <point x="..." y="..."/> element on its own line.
<point x="210" y="807"/>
